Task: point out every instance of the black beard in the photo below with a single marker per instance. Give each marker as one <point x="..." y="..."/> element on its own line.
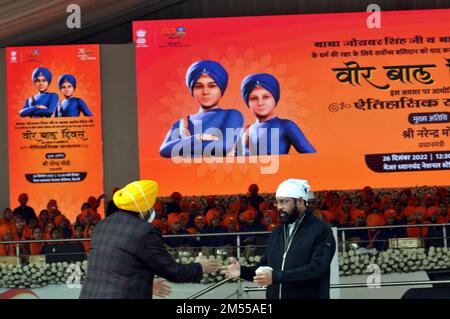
<point x="286" y="218"/>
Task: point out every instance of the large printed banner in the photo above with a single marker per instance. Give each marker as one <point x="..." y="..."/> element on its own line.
<point x="54" y="125"/>
<point x="226" y="102"/>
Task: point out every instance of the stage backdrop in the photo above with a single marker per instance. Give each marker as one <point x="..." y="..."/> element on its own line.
<point x="55" y="135"/>
<point x="373" y="103"/>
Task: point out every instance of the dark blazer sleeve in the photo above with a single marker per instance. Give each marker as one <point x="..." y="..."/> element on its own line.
<point x="322" y="255"/>
<point x="153" y="253"/>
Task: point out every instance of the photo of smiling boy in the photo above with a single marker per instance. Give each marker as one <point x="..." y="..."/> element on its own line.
<point x="72" y="106"/>
<point x="208" y="128"/>
<point x="43" y="104"/>
<point x="261" y="93"/>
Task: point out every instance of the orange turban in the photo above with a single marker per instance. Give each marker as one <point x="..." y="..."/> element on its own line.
<point x="172" y="218"/>
<point x="358" y="213"/>
<point x="210" y="214"/>
<point x="248" y="214"/>
<point x="194" y="204"/>
<point x="432" y="210"/>
<point x="390" y="213"/>
<point x="228" y="219"/>
<point x="52" y="205"/>
<point x="374" y="220"/>
<point x="410" y="210"/>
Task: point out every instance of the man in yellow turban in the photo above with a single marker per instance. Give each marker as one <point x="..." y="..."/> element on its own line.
<point x="127" y="250"/>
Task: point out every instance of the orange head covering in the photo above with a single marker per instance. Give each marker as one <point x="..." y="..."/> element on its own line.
<point x="172" y="218"/>
<point x="52" y="206"/>
<point x="374" y="220"/>
<point x="228" y="220"/>
<point x="411" y="210"/>
<point x="357" y="213"/>
<point x="248" y="214"/>
<point x="199" y="218"/>
<point x="194" y="204"/>
<point x="390" y="213"/>
<point x="432" y="210"/>
<point x="210" y="214"/>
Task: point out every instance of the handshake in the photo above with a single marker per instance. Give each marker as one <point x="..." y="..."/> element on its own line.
<point x="208" y="265"/>
<point x="263" y="275"/>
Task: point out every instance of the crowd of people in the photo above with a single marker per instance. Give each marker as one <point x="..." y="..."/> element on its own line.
<point x="23" y="224"/>
<point x="252" y="212"/>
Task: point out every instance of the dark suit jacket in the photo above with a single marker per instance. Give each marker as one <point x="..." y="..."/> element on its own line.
<point x="126" y="252"/>
<point x="306" y="271"/>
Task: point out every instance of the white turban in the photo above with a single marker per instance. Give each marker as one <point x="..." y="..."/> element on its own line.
<point x="294" y="188"/>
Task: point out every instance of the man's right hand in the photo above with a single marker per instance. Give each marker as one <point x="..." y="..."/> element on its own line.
<point x="233" y="270"/>
<point x="208" y="265"/>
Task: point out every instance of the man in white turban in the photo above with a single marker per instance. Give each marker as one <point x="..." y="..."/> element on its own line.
<point x="299" y="252"/>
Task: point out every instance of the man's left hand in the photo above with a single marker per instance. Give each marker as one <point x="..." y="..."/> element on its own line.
<point x="161" y="288"/>
<point x="263" y="279"/>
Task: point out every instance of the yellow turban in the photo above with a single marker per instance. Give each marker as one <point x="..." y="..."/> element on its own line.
<point x="137" y="197"/>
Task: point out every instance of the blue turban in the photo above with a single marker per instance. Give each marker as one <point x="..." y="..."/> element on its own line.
<point x="69" y="78"/>
<point x="44" y="72"/>
<point x="216" y="71"/>
<point x="267" y="81"/>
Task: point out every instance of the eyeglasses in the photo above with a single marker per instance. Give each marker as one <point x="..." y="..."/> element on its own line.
<point x="283" y="202"/>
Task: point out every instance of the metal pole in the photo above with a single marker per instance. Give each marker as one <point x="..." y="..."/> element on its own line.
<point x="444" y="232"/>
<point x="18" y="253"/>
<point x="238" y="253"/>
<point x="208" y="289"/>
<point x="343" y="241"/>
